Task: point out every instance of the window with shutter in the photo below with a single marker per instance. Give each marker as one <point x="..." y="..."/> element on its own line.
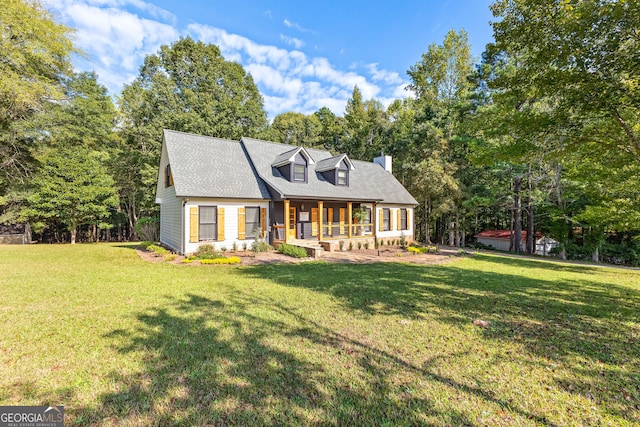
<point x="207" y="224"/>
<point x="252" y="223"/>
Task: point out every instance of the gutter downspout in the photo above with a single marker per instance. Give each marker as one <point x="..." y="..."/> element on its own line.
<point x="182" y="215"/>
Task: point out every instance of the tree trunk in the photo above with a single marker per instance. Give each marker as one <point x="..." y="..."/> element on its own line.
<point x="427" y="208"/>
<point x="595" y="256"/>
<point x="531" y="233"/>
<point x="74" y="231"/>
<point x="452" y="233"/>
<point x="457" y="229"/>
<point x="517" y="216"/>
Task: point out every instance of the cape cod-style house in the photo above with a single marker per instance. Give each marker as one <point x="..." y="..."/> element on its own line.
<point x="222" y="192"/>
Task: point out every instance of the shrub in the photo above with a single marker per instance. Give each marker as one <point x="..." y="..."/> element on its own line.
<point x="359" y="245"/>
<point x="223" y="249"/>
<point x="148" y="228"/>
<point x="293" y="251"/>
<point x="206" y="249"/>
<point x="389" y="242"/>
<point x="366" y="245"/>
<point x="159" y="250"/>
<point x="170" y="257"/>
<point x="403" y="241"/>
<point x="418" y="250"/>
<point x="244" y="246"/>
<point x="341" y="245"/>
<point x="225" y="260"/>
<point x="261" y="246"/>
<point x="146" y="244"/>
<point x="234" y="247"/>
<point x="187" y="260"/>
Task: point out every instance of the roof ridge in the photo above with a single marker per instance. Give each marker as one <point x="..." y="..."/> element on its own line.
<point x="200" y="136"/>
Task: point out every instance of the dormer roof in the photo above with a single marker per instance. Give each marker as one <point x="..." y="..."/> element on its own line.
<point x="290" y="156"/>
<point x="334" y="163"/>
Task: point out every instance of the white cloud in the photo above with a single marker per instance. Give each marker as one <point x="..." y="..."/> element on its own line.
<point x="401" y="91"/>
<point x="118" y="34"/>
<point x="313" y="81"/>
<point x="297" y="26"/>
<point x="115" y="40"/>
<point x="389" y="77"/>
<point x="297" y="43"/>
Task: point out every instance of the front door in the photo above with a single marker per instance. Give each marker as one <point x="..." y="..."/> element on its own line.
<point x="291" y="232"/>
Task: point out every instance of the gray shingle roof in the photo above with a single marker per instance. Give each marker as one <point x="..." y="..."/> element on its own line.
<point x="203" y="166"/>
<point x="367" y="181"/>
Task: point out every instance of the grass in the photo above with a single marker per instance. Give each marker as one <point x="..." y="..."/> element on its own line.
<point x="120" y="341"/>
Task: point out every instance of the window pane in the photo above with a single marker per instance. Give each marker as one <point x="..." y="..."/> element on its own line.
<point x="342" y="177"/>
<point x="208" y="218"/>
<point x="207" y="232"/>
<point x="403" y="219"/>
<point x="385" y="219"/>
<point x="298" y="172"/>
<point x="207" y="214"/>
<point x="252" y="222"/>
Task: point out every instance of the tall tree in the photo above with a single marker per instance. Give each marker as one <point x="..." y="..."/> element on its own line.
<point x="295" y="128"/>
<point x="74" y="188"/>
<point x="34" y="57"/>
<point x="331" y="130"/>
<point x="366" y="122"/>
<point x="74" y="184"/>
<point x="187" y="86"/>
<point x="442" y="84"/>
<point x="583" y="56"/>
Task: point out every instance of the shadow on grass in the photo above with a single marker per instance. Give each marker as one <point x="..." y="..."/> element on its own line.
<point x="252" y="360"/>
<point x="211" y="363"/>
<point x="564" y="321"/>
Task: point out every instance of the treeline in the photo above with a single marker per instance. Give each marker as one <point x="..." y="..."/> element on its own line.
<point x="542" y="135"/>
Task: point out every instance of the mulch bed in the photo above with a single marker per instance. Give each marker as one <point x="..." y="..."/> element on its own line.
<point x="356" y="256"/>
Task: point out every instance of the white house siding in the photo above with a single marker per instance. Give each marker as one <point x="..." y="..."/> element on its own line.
<point x="170" y="219"/>
<point x="394" y="211"/>
<point x="230" y="221"/>
<point x="170" y="212"/>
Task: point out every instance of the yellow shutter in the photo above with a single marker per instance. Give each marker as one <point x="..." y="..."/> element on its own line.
<point x="170" y="177"/>
<point x="381" y="220"/>
<point x="342" y="215"/>
<point x="242" y="234"/>
<point x="314" y="221"/>
<point x="263" y="222"/>
<point x="193" y="224"/>
<point x="330" y="221"/>
<point x="409" y="219"/>
<point x="399" y="220"/>
<point x="220" y="224"/>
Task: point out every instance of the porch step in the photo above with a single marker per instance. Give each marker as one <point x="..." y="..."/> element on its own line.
<point x="313" y="248"/>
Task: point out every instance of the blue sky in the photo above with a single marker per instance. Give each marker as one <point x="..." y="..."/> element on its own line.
<point x="302" y="55"/>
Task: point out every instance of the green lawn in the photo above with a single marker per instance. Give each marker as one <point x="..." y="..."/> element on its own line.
<point x="121" y="341"/>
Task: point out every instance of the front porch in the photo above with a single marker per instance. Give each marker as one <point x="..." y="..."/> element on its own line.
<point x="322" y="221"/>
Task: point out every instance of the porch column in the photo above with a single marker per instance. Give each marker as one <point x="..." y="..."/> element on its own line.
<point x="286" y="221"/>
<point x="349" y="219"/>
<point x="320" y="211"/>
<point x="374" y="218"/>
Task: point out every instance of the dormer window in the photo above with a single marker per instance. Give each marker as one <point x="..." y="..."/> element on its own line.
<point x="335" y="169"/>
<point x="342" y="177"/>
<point x="299" y="172"/>
<point x="293" y="164"/>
